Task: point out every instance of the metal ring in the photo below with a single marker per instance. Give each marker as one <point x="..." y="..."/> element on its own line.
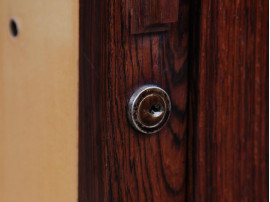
<point x="149" y="109"/>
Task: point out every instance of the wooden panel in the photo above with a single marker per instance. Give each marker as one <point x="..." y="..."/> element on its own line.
<point x="38" y="101"/>
<point x="152" y="16"/>
<point x="117" y="163"/>
<point x="229" y="101"/>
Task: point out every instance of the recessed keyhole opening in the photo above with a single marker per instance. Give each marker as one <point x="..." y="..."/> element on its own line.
<point x="13" y="28"/>
<point x="156" y="110"/>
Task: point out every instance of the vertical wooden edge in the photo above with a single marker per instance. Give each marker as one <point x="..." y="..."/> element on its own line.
<point x="91" y="101"/>
<point x="267" y="107"/>
<point x="193" y="91"/>
<point x="196" y="186"/>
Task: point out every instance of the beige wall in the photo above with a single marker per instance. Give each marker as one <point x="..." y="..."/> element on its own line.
<point x="39" y="101"/>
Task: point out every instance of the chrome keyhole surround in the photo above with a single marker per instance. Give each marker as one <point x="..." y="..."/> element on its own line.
<point x="149" y="109"/>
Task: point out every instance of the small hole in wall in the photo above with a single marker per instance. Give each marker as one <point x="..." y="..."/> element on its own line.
<point x="13" y="28"/>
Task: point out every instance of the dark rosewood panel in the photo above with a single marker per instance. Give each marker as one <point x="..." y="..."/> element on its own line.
<point x="229" y="101"/>
<point x="152" y="16"/>
<point x="115" y="162"/>
<point x="92" y="104"/>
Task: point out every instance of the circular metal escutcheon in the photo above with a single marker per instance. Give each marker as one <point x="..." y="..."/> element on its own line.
<point x="149" y="109"/>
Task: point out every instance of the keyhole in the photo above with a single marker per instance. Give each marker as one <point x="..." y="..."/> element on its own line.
<point x="156" y="110"/>
<point x="13" y="28"/>
<point x="149" y="109"/>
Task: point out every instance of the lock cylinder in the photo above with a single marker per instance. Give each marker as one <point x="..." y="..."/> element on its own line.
<point x="149" y="109"/>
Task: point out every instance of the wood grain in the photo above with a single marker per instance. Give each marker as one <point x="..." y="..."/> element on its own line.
<point x="229" y="101"/>
<point x="115" y="162"/>
<point x="152" y="16"/>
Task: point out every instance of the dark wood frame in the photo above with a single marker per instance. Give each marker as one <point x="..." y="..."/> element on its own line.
<point x="215" y="148"/>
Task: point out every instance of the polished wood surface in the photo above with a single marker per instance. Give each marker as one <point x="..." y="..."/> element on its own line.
<point x="152" y="16"/>
<point x="229" y="101"/>
<point x="215" y="57"/>
<point x="117" y="163"/>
